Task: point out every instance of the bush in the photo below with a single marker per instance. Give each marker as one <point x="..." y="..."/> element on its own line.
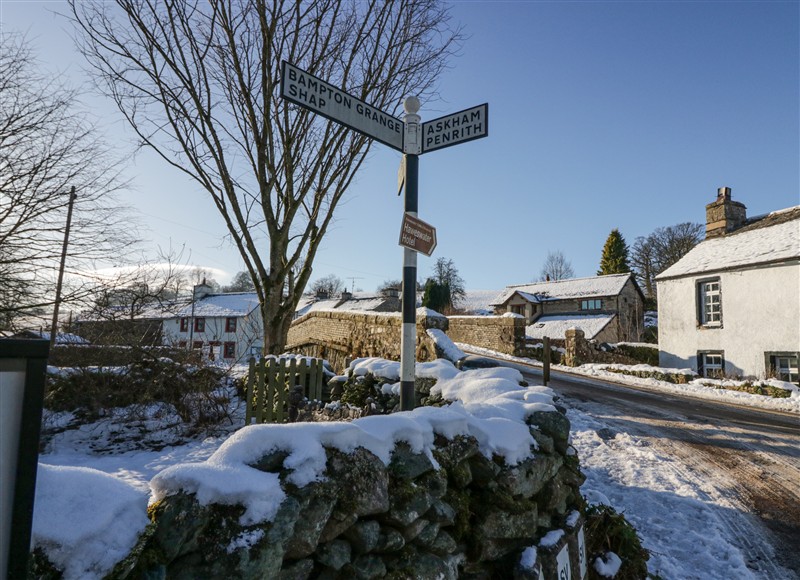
<point x="90" y="391"/>
<point x="766" y="390"/>
<point x="642" y="354"/>
<point x="609" y="531"/>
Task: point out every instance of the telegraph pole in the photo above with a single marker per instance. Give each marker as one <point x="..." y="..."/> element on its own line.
<point x="54" y="327"/>
<point x="408" y="342"/>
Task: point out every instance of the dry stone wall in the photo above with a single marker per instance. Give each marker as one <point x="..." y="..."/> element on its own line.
<point x="342" y="336"/>
<point x="500" y="333"/>
<point x="453" y="513"/>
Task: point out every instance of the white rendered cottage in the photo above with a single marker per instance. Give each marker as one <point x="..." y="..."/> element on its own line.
<point x="731" y="305"/>
<point x="606" y="308"/>
<point x="225" y="327"/>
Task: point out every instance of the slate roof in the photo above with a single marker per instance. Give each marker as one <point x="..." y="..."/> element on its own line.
<point x="573" y="288"/>
<point x="768" y="239"/>
<point x="478" y="302"/>
<point x="61" y="337"/>
<point x="359" y="302"/>
<point x="228" y="305"/>
<point x="554" y="325"/>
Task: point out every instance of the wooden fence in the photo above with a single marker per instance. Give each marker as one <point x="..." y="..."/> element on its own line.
<point x="270" y="382"/>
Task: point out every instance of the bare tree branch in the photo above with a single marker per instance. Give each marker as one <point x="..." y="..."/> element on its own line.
<point x="198" y="81"/>
<point x="46" y="147"/>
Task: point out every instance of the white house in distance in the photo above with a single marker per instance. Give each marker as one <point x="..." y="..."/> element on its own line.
<point x="225" y="326"/>
<point x="731" y="305"/>
<point x="607" y="308"/>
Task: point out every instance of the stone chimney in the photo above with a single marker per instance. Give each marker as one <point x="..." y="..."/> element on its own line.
<point x="201" y="290"/>
<point x="724" y="215"/>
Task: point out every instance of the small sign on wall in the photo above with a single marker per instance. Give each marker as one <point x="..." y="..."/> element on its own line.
<point x="582" y="563"/>
<point x="562" y="564"/>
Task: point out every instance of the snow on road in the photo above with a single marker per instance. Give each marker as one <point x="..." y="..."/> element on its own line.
<point x="693" y="531"/>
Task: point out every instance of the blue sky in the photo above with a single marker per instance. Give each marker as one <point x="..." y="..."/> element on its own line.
<point x="602" y="115"/>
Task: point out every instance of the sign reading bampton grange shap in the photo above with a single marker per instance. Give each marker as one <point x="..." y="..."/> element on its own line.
<point x="314" y="94"/>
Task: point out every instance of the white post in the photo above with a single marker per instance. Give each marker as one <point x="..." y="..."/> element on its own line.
<point x="412" y="147"/>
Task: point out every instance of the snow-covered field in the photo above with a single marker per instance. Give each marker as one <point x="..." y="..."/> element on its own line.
<point x="89" y="506"/>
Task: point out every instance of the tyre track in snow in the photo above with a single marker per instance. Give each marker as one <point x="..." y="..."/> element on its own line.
<point x="747" y="459"/>
<point x="752" y="466"/>
<point x="733" y="476"/>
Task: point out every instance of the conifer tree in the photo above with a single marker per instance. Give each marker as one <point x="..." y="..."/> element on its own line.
<point x="615" y="255"/>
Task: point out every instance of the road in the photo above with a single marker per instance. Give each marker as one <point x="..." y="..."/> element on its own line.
<point x="751" y="456"/>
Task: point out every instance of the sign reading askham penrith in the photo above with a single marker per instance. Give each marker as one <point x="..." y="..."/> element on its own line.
<point x="456" y="128"/>
<point x="417" y="235"/>
<point x="315" y="94"/>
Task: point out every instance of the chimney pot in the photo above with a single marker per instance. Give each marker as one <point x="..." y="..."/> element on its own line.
<point x="724" y="215"/>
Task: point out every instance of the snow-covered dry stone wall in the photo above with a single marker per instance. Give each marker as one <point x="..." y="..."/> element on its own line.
<point x="469" y="488"/>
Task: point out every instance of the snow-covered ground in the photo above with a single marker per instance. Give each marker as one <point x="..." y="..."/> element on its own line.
<point x="679" y="517"/>
<point x="88" y="504"/>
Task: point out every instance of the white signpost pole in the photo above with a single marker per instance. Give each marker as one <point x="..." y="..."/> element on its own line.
<point x="412" y="147"/>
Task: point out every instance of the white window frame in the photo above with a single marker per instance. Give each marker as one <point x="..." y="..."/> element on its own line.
<point x="710" y="302"/>
<point x="704" y="365"/>
<point x="593" y="304"/>
<point x="785" y="365"/>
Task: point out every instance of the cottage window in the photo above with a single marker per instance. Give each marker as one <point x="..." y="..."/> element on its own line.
<point x="711" y="364"/>
<point x="591" y="304"/>
<point x="181" y="344"/>
<point x="199" y="324"/>
<point x="230" y="350"/>
<point x="784" y="366"/>
<point x="710" y="302"/>
<point x="518" y="309"/>
<point x="230" y="325"/>
<point x="197" y="344"/>
<point x="184" y="325"/>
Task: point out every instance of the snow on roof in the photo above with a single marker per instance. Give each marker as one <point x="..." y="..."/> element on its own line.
<point x="61" y="337"/>
<point x="610" y="285"/>
<point x="754" y="244"/>
<point x="360" y="302"/>
<point x="478" y="302"/>
<point x="555" y="325"/>
<point x="222" y="305"/>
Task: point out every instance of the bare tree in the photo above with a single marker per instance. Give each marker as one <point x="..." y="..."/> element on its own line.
<point x="330" y="285"/>
<point x="445" y="274"/>
<point x="241" y="282"/>
<point x="390" y="285"/>
<point x="198" y="81"/>
<point x="47" y="147"/>
<point x="655" y="253"/>
<point x="556" y="267"/>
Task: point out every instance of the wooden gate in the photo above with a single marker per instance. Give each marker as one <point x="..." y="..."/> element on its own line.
<point x="270" y="382"/>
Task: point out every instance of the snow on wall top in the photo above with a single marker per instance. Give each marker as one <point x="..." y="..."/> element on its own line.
<point x="488" y="404"/>
<point x="610" y="285"/>
<point x="222" y="305"/>
<point x="749" y="247"/>
<point x="554" y="326"/>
